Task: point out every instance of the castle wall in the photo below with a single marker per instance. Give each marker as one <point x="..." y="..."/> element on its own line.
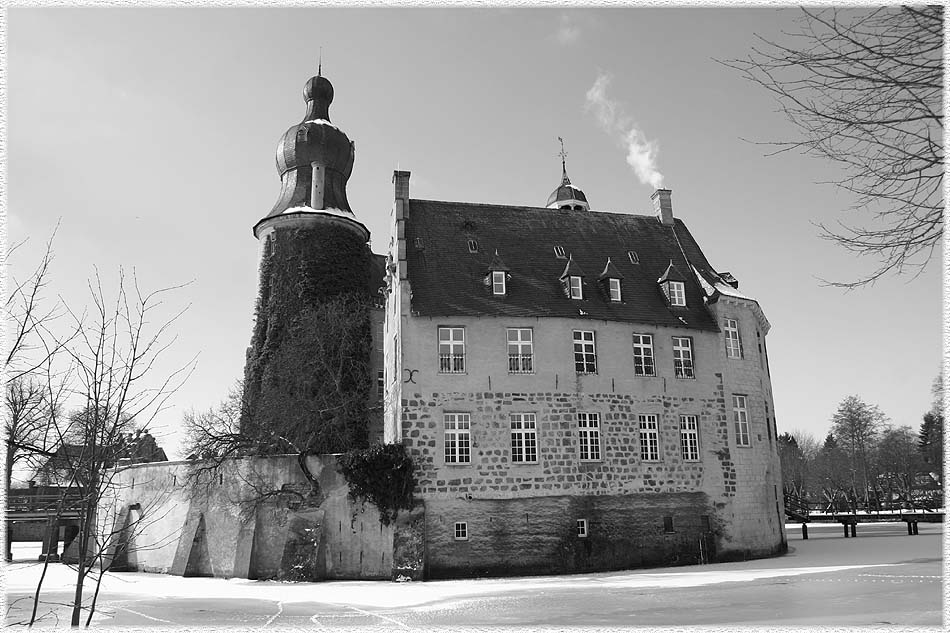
<point x="236" y="526"/>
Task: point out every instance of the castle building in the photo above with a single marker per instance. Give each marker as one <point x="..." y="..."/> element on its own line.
<point x="580" y="389"/>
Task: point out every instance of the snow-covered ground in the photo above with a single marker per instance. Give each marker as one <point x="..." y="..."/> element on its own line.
<point x="826" y="551"/>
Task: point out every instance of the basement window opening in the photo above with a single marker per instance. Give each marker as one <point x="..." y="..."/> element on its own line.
<point x="461" y="531"/>
<point x="582" y="528"/>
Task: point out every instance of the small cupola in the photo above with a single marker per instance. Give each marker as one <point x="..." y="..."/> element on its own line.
<point x="572" y="280"/>
<point x="611" y="282"/>
<point x="673" y="285"/>
<point x="497" y="276"/>
<point x="567" y="196"/>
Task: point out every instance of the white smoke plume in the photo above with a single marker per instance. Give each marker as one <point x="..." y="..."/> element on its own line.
<point x="641" y="153"/>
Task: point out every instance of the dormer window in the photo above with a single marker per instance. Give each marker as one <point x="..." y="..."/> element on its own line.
<point x="497" y="276"/>
<point x="498" y="282"/>
<point x="677" y="293"/>
<point x="610" y="281"/>
<point x="572" y="280"/>
<point x="673" y="285"/>
<point x="613" y="286"/>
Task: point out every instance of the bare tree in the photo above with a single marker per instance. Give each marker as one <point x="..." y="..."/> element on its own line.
<point x="864" y="87"/>
<point x="114" y="363"/>
<point x="857" y="425"/>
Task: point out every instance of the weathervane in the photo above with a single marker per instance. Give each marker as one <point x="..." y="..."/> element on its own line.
<point x="562" y="153"/>
<point x="320" y="63"/>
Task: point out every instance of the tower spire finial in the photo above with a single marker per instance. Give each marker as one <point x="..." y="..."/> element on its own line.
<point x="320" y="63"/>
<point x="564" y="179"/>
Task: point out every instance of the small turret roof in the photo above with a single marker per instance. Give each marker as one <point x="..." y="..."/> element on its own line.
<point x="672" y="274"/>
<point x="497" y="263"/>
<point x="572" y="269"/>
<point x="610" y="271"/>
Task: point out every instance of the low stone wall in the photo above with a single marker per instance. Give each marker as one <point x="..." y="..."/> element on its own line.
<point x="250" y="518"/>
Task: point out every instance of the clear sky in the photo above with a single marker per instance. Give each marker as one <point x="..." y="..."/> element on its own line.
<point x="150" y="134"/>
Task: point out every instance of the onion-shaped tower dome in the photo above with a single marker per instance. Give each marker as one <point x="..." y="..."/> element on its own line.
<point x="567" y="196"/>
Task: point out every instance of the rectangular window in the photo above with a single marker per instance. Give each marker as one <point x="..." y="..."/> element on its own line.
<point x="649" y="438"/>
<point x="498" y="282"/>
<point x="683" y="357"/>
<point x="585" y="353"/>
<point x="689" y="437"/>
<point x="524" y="438"/>
<point x="461" y="531"/>
<point x="582" y="528"/>
<point x="588" y="433"/>
<point x="643" y="355"/>
<point x="380" y="384"/>
<point x="458" y="438"/>
<point x="614" y="285"/>
<point x="733" y="343"/>
<point x="576" y="288"/>
<point x="520" y="350"/>
<point x="677" y="293"/>
<point x="668" y="525"/>
<point x="451" y="350"/>
<point x="740" y="412"/>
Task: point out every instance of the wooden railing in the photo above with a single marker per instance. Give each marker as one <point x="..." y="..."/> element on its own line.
<point x="43" y="504"/>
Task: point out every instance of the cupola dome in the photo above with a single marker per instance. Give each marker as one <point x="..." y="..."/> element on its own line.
<point x="314" y="157"/>
<point x="567" y="196"/>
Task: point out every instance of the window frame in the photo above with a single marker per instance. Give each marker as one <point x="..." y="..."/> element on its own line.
<point x="689" y="437"/>
<point x="455" y="362"/>
<point x="458" y="434"/>
<point x="644" y="433"/>
<point x="677" y="290"/>
<point x="559" y="252"/>
<point x="589" y="448"/>
<point x="642" y="358"/>
<point x="575" y="283"/>
<point x="526" y="435"/>
<point x="498" y="280"/>
<point x="733" y="340"/>
<point x="684" y="364"/>
<point x="740" y="419"/>
<point x="588" y="358"/>
<point x="380" y="384"/>
<point x="523" y="363"/>
<point x="613" y="284"/>
<point x="472" y="245"/>
<point x="461" y="530"/>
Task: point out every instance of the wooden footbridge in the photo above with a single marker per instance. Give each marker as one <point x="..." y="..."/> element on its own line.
<point x="59" y="511"/>
<point x="799" y="511"/>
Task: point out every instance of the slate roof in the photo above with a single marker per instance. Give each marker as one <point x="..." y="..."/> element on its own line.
<point x="447" y="280"/>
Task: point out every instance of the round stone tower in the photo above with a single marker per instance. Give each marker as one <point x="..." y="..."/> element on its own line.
<point x="306" y="379"/>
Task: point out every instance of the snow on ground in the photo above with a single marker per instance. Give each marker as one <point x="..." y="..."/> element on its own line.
<point x="826" y="551"/>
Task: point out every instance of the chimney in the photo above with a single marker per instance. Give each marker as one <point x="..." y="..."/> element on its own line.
<point x="401" y="182"/>
<point x="663" y="205"/>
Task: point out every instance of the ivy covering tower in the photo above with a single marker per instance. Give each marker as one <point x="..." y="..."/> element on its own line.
<point x="307" y="376"/>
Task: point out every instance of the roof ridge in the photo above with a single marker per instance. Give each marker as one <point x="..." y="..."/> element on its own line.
<point x="526" y="206"/>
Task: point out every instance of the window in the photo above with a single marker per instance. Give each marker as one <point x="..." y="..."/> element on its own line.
<point x="524" y="438"/>
<point x="472" y="246"/>
<point x="498" y="282"/>
<point x="458" y="438"/>
<point x="634" y="258"/>
<point x="575" y="287"/>
<point x="668" y="525"/>
<point x="689" y="437"/>
<point x="588" y="433"/>
<point x="585" y="354"/>
<point x="740" y="414"/>
<point x="520" y="351"/>
<point x="380" y="384"/>
<point x="461" y="531"/>
<point x="614" y="286"/>
<point x="418" y="243"/>
<point x="649" y="438"/>
<point x="643" y="355"/>
<point x="559" y="252"/>
<point x="677" y="293"/>
<point x="451" y="350"/>
<point x="683" y="357"/>
<point x="733" y="344"/>
<point x="582" y="528"/>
